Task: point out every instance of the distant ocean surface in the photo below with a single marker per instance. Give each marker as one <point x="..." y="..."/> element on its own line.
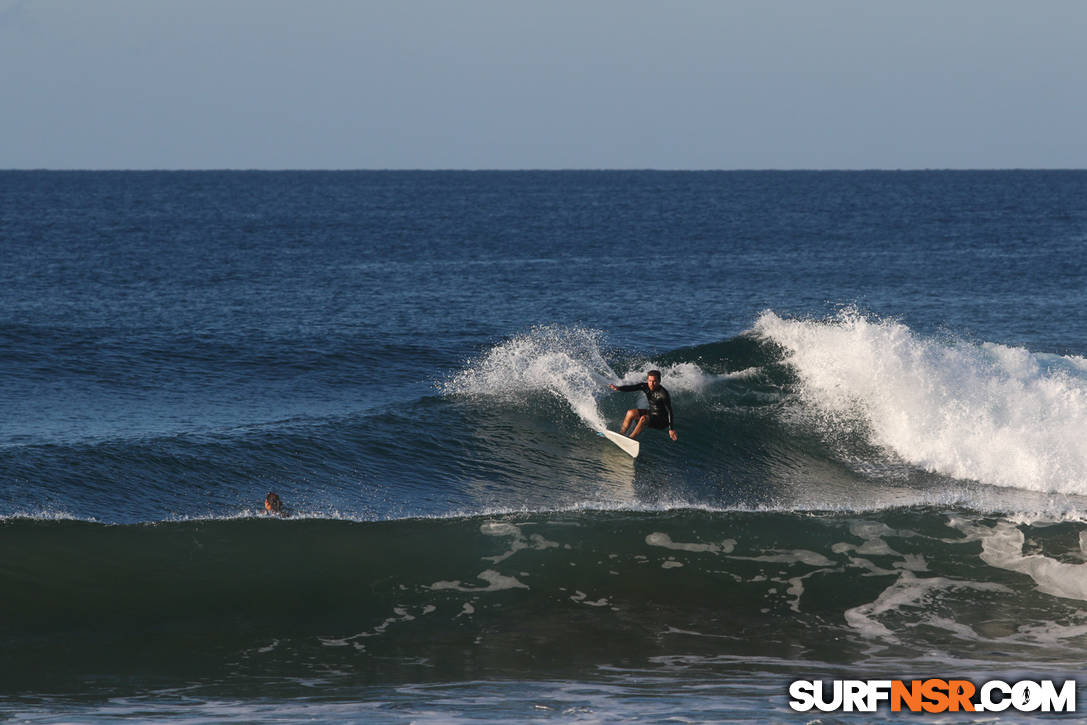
<point x="880" y="389"/>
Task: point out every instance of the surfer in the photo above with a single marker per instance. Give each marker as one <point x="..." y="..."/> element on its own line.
<point x="274" y="506"/>
<point x="658" y="415"/>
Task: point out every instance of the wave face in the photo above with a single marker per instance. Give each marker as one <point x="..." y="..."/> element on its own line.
<point x="850" y="413"/>
<point x="248" y="603"/>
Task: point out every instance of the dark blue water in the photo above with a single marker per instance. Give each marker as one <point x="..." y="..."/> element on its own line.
<point x="880" y="384"/>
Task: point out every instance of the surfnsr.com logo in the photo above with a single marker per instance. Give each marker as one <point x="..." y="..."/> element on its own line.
<point x="932" y="695"/>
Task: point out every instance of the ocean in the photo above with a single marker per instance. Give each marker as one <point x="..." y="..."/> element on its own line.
<point x="880" y="389"/>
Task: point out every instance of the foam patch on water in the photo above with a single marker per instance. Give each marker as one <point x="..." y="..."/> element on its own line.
<point x="663" y="540"/>
<point x="1000" y="415"/>
<point x="908" y="592"/>
<point x="495" y="582"/>
<point x="1002" y="546"/>
<point x="401" y="616"/>
<point x="46" y="515"/>
<point x="795" y="556"/>
<point x="518" y="540"/>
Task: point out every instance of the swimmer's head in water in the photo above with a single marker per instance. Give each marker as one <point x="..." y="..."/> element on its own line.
<point x="272" y="504"/>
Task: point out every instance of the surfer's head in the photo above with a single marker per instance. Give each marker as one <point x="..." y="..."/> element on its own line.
<point x="273" y="505"/>
<point x="654" y="379"/>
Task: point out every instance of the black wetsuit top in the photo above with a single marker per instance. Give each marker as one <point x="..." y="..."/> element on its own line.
<point x="660" y="403"/>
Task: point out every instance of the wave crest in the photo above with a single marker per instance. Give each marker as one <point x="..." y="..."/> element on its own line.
<point x="993" y="413"/>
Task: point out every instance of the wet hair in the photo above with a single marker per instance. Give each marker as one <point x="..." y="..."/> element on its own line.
<point x="273" y="504"/>
<point x="656" y="373"/>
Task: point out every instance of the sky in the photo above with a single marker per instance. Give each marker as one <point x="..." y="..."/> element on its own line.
<point x="543" y="84"/>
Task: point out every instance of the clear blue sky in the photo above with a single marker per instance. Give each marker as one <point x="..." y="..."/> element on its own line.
<point x="512" y="84"/>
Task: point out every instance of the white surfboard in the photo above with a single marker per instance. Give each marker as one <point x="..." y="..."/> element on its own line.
<point x="629" y="445"/>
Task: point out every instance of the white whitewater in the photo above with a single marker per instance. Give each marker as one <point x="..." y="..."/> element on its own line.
<point x="982" y="411"/>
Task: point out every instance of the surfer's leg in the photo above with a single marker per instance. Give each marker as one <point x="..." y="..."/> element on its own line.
<point x="631" y="415"/>
<point x="641" y="424"/>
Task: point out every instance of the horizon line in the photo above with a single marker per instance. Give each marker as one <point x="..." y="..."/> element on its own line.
<point x="228" y="169"/>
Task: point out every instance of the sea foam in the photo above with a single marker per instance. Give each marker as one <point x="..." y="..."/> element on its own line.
<point x="982" y="411"/>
